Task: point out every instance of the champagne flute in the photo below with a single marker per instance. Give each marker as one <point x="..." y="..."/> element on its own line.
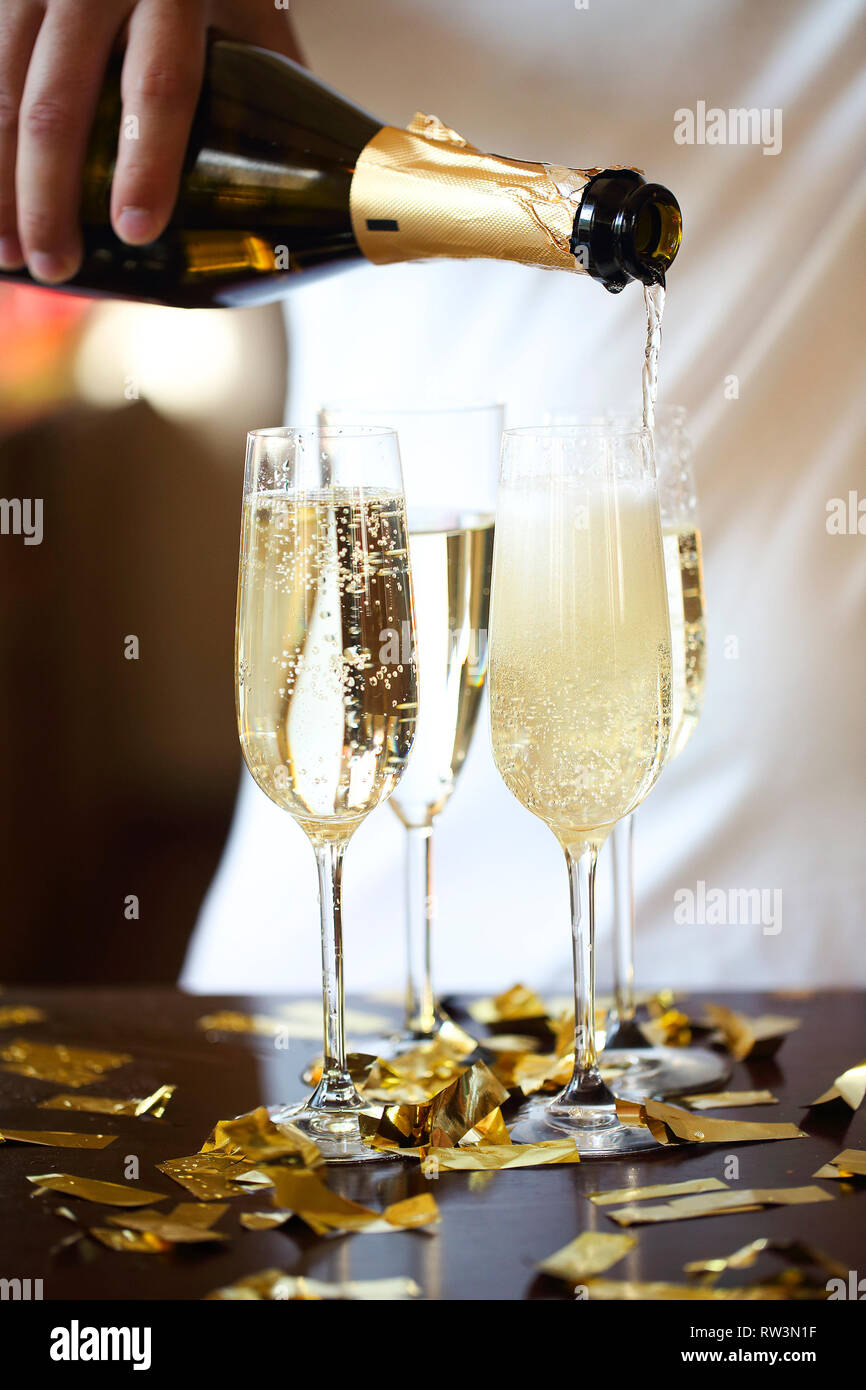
<point x="326" y="715"/>
<point x="450" y="463"/>
<point x="664" y="1070"/>
<point x="580" y="690"/>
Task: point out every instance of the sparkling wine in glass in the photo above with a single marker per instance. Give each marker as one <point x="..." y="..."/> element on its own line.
<point x="450" y="461"/>
<point x="326" y="705"/>
<point x="580" y="689"/>
<point x="664" y="1070"/>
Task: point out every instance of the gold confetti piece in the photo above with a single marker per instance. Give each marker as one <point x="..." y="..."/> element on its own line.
<point x="724" y="1100"/>
<point x="494" y="1156"/>
<point x="850" y="1086"/>
<point x="104" y="1105"/>
<point x="795" y="1251"/>
<point x="667" y="1122"/>
<point x="850" y="1163"/>
<point x="255" y="1136"/>
<point x="418" y="1074"/>
<point x="58" y="1139"/>
<point x="111" y="1194"/>
<point x="188" y="1224"/>
<point x="129" y="1242"/>
<point x="664" y="1189"/>
<point x="265" y="1220"/>
<point x="447" y="1117"/>
<point x="750" y="1037"/>
<point x="273" y="1284"/>
<point x="517" y="1002"/>
<point x="606" y="1290"/>
<point x="718" y="1204"/>
<point x="69" y="1066"/>
<point x="491" y="1130"/>
<point x="232" y="1021"/>
<point x="358" y="1064"/>
<point x="210" y="1177"/>
<point x="590" y="1254"/>
<point x="15" y="1015"/>
<point x="304" y="1193"/>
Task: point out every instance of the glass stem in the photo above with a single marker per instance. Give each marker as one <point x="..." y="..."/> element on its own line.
<point x="336" y="1090"/>
<point x="421" y="1012"/>
<point x="586" y="1087"/>
<point x="624" y="1030"/>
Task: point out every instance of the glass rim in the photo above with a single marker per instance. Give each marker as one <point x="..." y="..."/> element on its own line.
<point x="589" y="430"/>
<point x="325" y="432"/>
<point x="461" y="408"/>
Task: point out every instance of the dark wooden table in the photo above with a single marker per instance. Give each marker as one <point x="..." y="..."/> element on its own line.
<point x="489" y="1240"/>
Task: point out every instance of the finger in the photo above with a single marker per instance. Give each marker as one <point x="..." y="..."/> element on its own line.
<point x="57" y="109"/>
<point x="19" y="25"/>
<point x="162" y="75"/>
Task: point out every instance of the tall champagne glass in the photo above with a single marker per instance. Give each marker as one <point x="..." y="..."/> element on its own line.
<point x="326" y="714"/>
<point x="580" y="689"/>
<point x="664" y="1070"/>
<point x="450" y="462"/>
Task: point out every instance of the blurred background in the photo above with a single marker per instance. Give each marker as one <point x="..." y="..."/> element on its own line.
<point x="121" y="775"/>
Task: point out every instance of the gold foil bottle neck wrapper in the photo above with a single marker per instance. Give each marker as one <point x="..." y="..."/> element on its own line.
<point x="425" y="193"/>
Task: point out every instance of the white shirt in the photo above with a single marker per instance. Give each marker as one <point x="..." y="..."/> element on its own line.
<point x="763" y="340"/>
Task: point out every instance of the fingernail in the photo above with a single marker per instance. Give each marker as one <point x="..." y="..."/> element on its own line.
<point x="135" y="225"/>
<point x="10" y="253"/>
<point x="51" y="266"/>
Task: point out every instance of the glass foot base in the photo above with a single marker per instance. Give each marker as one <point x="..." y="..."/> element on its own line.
<point x="595" y="1129"/>
<point x="336" y="1133"/>
<point x="665" y="1071"/>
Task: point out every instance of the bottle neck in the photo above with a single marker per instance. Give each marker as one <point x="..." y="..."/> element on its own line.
<point x="424" y="192"/>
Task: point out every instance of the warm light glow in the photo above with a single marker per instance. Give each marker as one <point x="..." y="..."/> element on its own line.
<point x="181" y="361"/>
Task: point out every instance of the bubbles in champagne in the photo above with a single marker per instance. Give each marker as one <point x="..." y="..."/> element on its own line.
<point x="326" y="716"/>
<point x="580" y="651"/>
<point x="684" y="572"/>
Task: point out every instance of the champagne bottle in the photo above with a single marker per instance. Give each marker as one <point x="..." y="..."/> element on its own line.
<point x="283" y="175"/>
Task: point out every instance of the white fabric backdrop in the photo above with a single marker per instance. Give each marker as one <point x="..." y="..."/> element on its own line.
<point x="768" y="288"/>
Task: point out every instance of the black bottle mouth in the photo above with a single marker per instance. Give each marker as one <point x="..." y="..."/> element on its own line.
<point x="626" y="229"/>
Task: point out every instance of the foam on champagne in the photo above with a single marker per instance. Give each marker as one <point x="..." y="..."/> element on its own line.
<point x="581" y="662"/>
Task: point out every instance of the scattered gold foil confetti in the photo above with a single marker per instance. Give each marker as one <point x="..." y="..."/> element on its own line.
<point x="668" y="1028"/>
<point x="665" y="1189"/>
<point x="111" y="1194"/>
<point x="188" y="1224"/>
<point x="265" y="1220"/>
<point x="669" y="1122"/>
<point x="358" y="1065"/>
<point x="69" y="1066"/>
<point x="129" y="1242"/>
<point x="491" y="1130"/>
<point x="795" y="1251"/>
<point x="717" y="1204"/>
<point x="591" y="1253"/>
<point x="728" y="1100"/>
<point x="104" y="1105"/>
<point x="495" y="1156"/>
<point x="304" y="1193"/>
<point x="232" y="1021"/>
<point x="16" y="1015"/>
<point x="444" y="1119"/>
<point x="627" y="1290"/>
<point x="255" y="1136"/>
<point x="750" y="1037"/>
<point x="515" y="1003"/>
<point x="273" y="1284"/>
<point x="850" y="1163"/>
<point x="57" y="1139"/>
<point x="850" y="1086"/>
<point x="210" y="1177"/>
